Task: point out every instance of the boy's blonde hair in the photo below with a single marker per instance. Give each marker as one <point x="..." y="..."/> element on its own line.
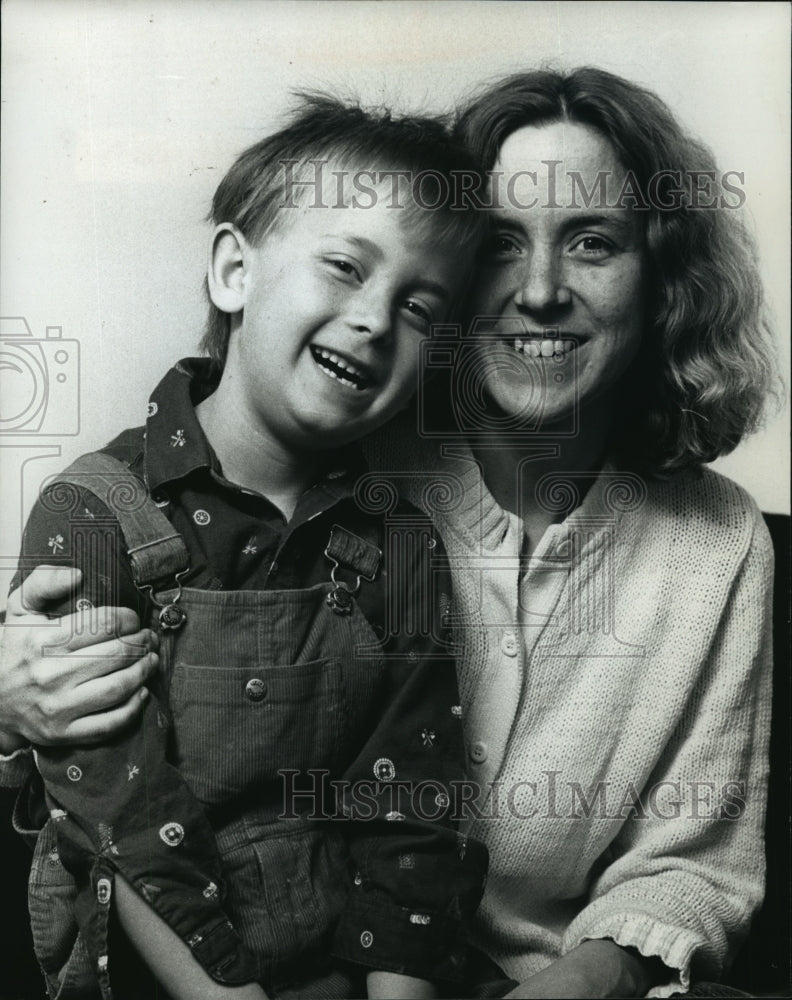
<point x="270" y="177"/>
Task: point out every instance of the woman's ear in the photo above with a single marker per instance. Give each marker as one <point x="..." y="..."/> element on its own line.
<point x="225" y="276"/>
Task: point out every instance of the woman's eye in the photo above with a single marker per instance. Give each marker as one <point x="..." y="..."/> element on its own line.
<point x="593" y="246"/>
<point x="501" y="245"/>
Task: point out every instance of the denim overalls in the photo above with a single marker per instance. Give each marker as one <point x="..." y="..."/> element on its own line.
<point x="251" y="682"/>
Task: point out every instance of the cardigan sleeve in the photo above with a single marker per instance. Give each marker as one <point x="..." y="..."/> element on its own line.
<point x="689" y="872"/>
<point x="16" y="768"/>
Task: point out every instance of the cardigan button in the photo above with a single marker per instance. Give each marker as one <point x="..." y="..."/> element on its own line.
<point x="479" y="752"/>
<point x="509" y="644"/>
<point x="255" y="689"/>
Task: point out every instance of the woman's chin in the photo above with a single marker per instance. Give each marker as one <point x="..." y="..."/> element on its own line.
<point x="549" y="411"/>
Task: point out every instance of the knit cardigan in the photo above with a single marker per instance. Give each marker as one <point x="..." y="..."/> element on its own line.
<point x="616" y="701"/>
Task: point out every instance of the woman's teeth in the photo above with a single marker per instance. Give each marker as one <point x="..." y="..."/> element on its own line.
<point x="536" y="348"/>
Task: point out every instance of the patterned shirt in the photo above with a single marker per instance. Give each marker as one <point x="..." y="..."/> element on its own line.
<point x="405" y="914"/>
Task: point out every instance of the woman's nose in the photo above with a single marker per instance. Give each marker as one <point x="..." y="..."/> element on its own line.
<point x="543" y="285"/>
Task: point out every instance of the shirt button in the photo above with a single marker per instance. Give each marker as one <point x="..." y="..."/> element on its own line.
<point x="103" y="891"/>
<point x="509" y="644"/>
<point x="478" y="752"/>
<point x="255" y="689"/>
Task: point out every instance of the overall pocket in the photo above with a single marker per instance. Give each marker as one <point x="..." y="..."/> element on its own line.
<point x="234" y="728"/>
<point x="59" y="948"/>
<point x="286" y="890"/>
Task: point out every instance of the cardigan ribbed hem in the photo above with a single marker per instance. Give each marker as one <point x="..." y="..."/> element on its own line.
<point x="15" y="768"/>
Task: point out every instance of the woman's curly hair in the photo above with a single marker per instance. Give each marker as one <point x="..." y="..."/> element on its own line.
<point x="706" y="366"/>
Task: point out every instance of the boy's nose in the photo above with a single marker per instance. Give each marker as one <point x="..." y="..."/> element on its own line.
<point x="371" y="317"/>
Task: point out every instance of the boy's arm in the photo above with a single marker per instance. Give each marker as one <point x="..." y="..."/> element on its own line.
<point x="119" y="808"/>
<point x="168" y="956"/>
<point x="418" y="880"/>
<point x="392" y="986"/>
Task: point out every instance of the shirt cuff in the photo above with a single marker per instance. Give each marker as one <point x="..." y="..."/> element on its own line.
<point x="210" y="936"/>
<point x="674" y="946"/>
<point x="16" y="768"/>
<point x="390" y="938"/>
<point x="200" y="922"/>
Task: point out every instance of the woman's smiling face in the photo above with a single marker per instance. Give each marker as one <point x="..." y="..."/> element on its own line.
<point x="563" y="279"/>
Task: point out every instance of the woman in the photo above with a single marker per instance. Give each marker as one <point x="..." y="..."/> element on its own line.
<point x="611" y="598"/>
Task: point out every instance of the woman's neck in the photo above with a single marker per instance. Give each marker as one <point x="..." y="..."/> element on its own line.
<point x="512" y="471"/>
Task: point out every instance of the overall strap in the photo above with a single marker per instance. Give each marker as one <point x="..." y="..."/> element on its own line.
<point x="156" y="550"/>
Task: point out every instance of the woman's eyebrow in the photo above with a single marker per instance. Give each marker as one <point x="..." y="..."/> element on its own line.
<point x="619" y="219"/>
<point x="506" y="222"/>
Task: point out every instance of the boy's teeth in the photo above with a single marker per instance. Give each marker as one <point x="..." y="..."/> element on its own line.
<point x="325" y="359"/>
<point x="340" y="363"/>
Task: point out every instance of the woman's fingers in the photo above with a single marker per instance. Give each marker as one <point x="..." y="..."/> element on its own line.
<point x="57" y="707"/>
<point x="44" y="585"/>
<point x="55" y="673"/>
<point x="63" y="667"/>
<point x="90" y="627"/>
<point x="98" y="727"/>
<point x="100" y="694"/>
<point x="85" y="629"/>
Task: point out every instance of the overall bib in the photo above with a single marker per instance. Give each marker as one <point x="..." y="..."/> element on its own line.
<point x="251" y="682"/>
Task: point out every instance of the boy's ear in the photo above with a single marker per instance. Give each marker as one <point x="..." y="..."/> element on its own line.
<point x="227" y="267"/>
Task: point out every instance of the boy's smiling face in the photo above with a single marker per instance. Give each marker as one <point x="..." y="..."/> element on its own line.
<point x="336" y="302"/>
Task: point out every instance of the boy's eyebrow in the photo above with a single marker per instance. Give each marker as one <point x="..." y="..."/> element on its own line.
<point x="368" y="246"/>
<point x="359" y="241"/>
<point x="434" y="286"/>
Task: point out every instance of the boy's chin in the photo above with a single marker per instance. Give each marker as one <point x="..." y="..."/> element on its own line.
<point x="316" y="435"/>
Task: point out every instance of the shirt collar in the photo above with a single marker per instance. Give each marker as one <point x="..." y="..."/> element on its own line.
<point x="175" y="442"/>
<point x="177" y="446"/>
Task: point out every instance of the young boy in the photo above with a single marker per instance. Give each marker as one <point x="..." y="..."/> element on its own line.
<point x="299" y="639"/>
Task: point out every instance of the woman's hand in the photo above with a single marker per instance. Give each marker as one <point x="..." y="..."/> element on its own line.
<point x="76" y="679"/>
<point x="594" y="969"/>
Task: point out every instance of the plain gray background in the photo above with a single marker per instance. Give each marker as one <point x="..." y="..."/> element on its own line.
<point x="119" y="120"/>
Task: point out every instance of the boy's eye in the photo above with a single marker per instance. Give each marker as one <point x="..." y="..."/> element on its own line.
<point x="344" y="266"/>
<point x="419" y="310"/>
